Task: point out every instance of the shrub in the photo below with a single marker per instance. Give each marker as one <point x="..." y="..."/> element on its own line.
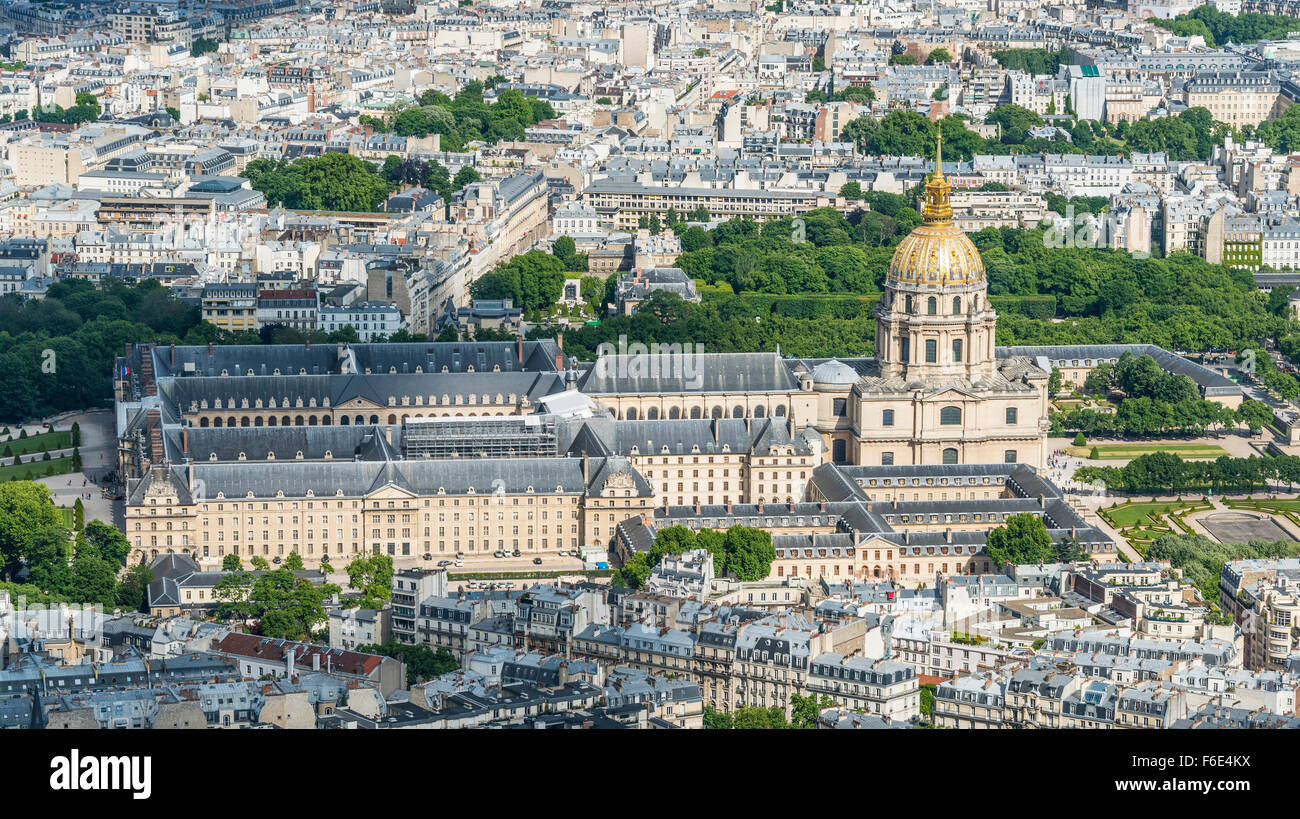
<point x="1079" y="440"/>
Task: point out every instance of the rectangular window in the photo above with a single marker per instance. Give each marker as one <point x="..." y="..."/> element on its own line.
<point x="931" y="351"/>
<point x="888" y="419"/>
<point x="886" y="459"/>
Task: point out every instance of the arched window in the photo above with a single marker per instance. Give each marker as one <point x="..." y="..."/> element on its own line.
<point x="652" y="414"/>
<point x="950" y="416"/>
<point x="631" y="413"/>
<point x="956" y="351"/>
<point x="716" y="412"/>
<point x="695" y="412"/>
<point x="931" y="351"/>
<point x="779" y="412"/>
<point x="1012" y="415"/>
<point x="950" y="456"/>
<point x="956" y="305"/>
<point x="674" y="413"/>
<point x="738" y="411"/>
<point x="760" y="411"/>
<point x="932" y="306"/>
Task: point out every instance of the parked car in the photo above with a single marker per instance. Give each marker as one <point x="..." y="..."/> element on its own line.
<point x="460" y="563"/>
<point x="442" y="563"/>
<point x="428" y="556"/>
<point x="537" y="561"/>
<point x="515" y="553"/>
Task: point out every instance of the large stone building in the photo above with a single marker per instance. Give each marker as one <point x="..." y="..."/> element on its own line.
<point x="888" y="467"/>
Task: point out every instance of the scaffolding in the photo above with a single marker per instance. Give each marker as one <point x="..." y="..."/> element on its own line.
<point x="479" y="437"/>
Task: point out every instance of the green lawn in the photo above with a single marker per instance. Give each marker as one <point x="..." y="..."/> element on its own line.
<point x="1249" y="503"/>
<point x="26" y="446"/>
<point x="1132" y="514"/>
<point x="1116" y="452"/>
<point x="62" y="466"/>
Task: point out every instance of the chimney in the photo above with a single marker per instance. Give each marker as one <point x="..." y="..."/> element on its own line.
<point x="519" y="350"/>
<point x="309" y="344"/>
<point x="584" y="467"/>
<point x="821" y="507"/>
<point x="315" y="661"/>
<point x="209" y="348"/>
<point x="947" y="536"/>
<point x="288" y="661"/>
<point x="760" y="507"/>
<point x="728" y="507"/>
<point x="173" y="364"/>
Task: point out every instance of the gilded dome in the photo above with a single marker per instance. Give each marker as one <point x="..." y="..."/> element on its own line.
<point x="937" y="252"/>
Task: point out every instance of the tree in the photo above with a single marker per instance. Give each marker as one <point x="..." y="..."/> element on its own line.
<point x="1070" y="550"/>
<point x="46" y="555"/>
<point x="287" y="607"/>
<point x="422" y="662"/>
<point x="903" y="59"/>
<point x="174" y="113"/>
<point x="76" y="434"/>
<point x="202" y="46"/>
<point x="748" y="553"/>
<point x="25" y="508"/>
<point x="94" y="578"/>
<point x="78" y="515"/>
<point x="1015" y="121"/>
<point x="133" y="592"/>
<point x="1023" y="539"/>
<point x="1255" y="415"/>
<point x="1080" y="440"/>
<point x="334" y="181"/>
<point x="232" y="595"/>
<point x="939" y="55"/>
<point x="294" y="562"/>
<point x="108" y="541"/>
<point x="804" y="711"/>
<point x="373" y="577"/>
<point x="464" y="176"/>
<point x="1054" y="382"/>
<point x="76" y="460"/>
<point x="231" y="563"/>
<point x="851" y="190"/>
<point x="260" y="564"/>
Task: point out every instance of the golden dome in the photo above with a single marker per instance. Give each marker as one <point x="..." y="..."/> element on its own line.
<point x="937" y="252"/>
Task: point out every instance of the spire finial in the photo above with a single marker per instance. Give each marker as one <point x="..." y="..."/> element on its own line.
<point x="938" y="150"/>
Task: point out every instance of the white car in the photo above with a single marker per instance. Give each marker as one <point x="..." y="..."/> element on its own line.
<point x="460" y="563"/>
